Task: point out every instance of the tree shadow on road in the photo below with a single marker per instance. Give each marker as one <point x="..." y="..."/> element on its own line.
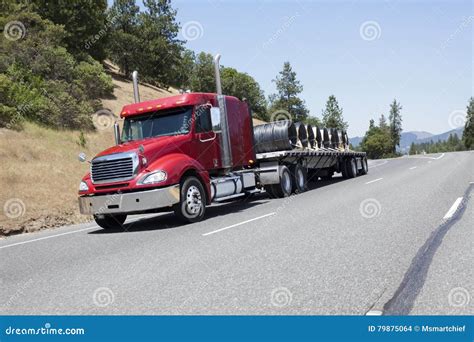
<point x="168" y="220"/>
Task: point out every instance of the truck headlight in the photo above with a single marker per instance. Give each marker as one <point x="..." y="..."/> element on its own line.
<point x="83" y="186"/>
<point x="153" y="177"/>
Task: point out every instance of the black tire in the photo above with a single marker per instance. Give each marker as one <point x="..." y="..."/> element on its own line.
<point x="269" y="190"/>
<point x="285" y="187"/>
<point x="343" y="167"/>
<point x="192" y="202"/>
<point x="110" y="221"/>
<point x="351" y="168"/>
<point x="299" y="178"/>
<point x="365" y="166"/>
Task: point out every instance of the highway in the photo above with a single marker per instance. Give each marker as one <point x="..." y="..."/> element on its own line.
<point x="398" y="240"/>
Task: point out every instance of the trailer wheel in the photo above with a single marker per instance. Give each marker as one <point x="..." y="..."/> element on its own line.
<point x="351" y="168"/>
<point x="343" y="167"/>
<point x="192" y="203"/>
<point x="110" y="221"/>
<point x="299" y="178"/>
<point x="365" y="166"/>
<point x="284" y="188"/>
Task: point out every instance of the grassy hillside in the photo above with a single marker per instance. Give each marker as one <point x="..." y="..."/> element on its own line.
<point x="40" y="171"/>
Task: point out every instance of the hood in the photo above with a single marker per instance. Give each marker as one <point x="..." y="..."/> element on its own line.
<point x="153" y="147"/>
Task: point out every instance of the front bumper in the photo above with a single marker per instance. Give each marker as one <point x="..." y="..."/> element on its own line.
<point x="129" y="202"/>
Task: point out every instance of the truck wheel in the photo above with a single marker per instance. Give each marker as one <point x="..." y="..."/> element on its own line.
<point x="351" y="168"/>
<point x="343" y="167"/>
<point x="269" y="190"/>
<point x="299" y="178"/>
<point x="192" y="204"/>
<point x="365" y="166"/>
<point x="110" y="221"/>
<point x="284" y="188"/>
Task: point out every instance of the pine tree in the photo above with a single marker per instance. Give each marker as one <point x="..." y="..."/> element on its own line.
<point x="412" y="149"/>
<point x="468" y="134"/>
<point x="288" y="89"/>
<point x="82" y="19"/>
<point x="124" y="44"/>
<point x="395" y="122"/>
<point x="332" y="114"/>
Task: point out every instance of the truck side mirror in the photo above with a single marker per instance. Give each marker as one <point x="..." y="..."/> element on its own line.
<point x="216" y="119"/>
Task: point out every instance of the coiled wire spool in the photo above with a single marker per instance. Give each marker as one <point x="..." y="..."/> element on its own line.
<point x="318" y="137"/>
<point x="302" y="134"/>
<point x="311" y="137"/>
<point x="326" y="138"/>
<point x="334" y="137"/>
<point x="275" y="136"/>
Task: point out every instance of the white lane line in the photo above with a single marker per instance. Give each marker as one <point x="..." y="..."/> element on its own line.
<point x="237" y="224"/>
<point x="48" y="237"/>
<point x="382" y="163"/>
<point x="374" y="313"/>
<point x="433" y="158"/>
<point x="373" y="181"/>
<point x="453" y="208"/>
<point x="412" y="168"/>
<point x="67" y="233"/>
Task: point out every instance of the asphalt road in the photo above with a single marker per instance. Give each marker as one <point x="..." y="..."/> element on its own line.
<point x="385" y="242"/>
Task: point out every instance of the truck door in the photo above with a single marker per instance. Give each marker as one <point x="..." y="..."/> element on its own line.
<point x="206" y="142"/>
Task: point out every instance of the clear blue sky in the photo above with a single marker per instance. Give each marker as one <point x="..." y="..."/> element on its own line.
<point x="419" y="52"/>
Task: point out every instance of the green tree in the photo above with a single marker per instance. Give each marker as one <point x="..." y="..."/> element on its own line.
<point x="395" y="122"/>
<point x="242" y="85"/>
<point x="332" y="114"/>
<point x="125" y="45"/>
<point x="376" y="142"/>
<point x="185" y="69"/>
<point x="82" y="20"/>
<point x="202" y="79"/>
<point x="287" y="96"/>
<point x="161" y="50"/>
<point x="468" y="134"/>
<point x="412" y="149"/>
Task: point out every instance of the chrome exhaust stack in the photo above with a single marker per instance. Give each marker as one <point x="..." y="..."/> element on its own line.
<point x="117" y="133"/>
<point x="226" y="151"/>
<point x="218" y="74"/>
<point x="136" y="94"/>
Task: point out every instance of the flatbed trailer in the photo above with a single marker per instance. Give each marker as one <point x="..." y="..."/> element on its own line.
<point x="280" y="169"/>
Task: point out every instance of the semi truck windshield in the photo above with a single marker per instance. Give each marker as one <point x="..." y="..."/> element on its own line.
<point x="161" y="123"/>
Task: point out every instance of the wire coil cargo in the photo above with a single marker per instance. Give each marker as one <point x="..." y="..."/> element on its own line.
<point x="275" y="136"/>
<point x="302" y="134"/>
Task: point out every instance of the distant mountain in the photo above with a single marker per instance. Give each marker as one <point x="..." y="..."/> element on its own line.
<point x="417" y="137"/>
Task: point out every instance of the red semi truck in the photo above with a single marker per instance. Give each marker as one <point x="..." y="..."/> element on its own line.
<point x="184" y="152"/>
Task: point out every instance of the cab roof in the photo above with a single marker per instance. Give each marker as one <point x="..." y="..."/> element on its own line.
<point x="187" y="99"/>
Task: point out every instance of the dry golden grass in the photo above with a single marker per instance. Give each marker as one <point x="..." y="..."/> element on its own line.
<point x="40" y="174"/>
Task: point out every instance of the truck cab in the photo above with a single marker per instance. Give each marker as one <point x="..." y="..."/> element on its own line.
<point x="165" y="157"/>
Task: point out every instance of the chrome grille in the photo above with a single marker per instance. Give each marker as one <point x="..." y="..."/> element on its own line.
<point x="113" y="168"/>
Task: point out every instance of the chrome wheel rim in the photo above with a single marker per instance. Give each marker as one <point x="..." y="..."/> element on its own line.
<point x="193" y="200"/>
<point x="286" y="182"/>
<point x="300" y="178"/>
